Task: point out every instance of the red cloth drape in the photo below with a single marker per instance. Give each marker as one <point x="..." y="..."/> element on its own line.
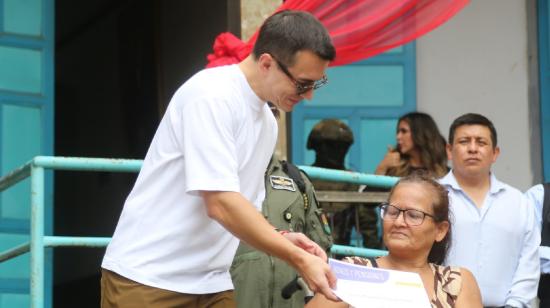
<point x="359" y="28"/>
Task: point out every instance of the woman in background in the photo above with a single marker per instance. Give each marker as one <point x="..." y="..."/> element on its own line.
<point x="420" y="146"/>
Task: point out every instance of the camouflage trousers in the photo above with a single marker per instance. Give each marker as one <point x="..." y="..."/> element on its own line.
<point x="364" y="218"/>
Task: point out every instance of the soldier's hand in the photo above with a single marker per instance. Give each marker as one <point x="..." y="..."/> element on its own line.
<point x="302" y="241"/>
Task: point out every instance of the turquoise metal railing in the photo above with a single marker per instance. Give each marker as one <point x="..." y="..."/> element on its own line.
<point x="38" y="241"/>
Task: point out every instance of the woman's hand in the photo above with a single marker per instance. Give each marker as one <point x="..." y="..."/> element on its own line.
<point x="392" y="159"/>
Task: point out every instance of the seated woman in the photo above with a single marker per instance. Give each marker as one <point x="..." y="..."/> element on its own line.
<point x="420" y="146"/>
<point x="417" y="233"/>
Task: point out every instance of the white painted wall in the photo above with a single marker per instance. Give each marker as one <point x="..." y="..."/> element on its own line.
<point x="477" y="62"/>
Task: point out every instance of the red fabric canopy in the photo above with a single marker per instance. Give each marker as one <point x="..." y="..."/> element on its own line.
<point x="359" y="28"/>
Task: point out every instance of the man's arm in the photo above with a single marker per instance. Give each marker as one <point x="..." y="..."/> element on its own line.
<point x="526" y="278"/>
<point x="240" y="217"/>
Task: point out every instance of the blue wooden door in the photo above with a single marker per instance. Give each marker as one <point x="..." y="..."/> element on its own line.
<point x="26" y="129"/>
<point x="369" y="96"/>
<point x="544" y="77"/>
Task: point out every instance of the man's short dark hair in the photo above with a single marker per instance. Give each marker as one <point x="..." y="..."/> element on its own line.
<point x="473" y="119"/>
<point x="287" y="32"/>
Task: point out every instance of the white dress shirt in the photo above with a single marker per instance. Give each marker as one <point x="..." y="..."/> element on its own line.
<point x="498" y="242"/>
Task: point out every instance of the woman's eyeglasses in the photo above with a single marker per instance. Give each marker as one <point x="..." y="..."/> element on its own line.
<point x="412" y="217"/>
<point x="301" y="87"/>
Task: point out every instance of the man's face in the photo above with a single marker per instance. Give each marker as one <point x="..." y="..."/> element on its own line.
<point x="308" y="68"/>
<point x="472" y="151"/>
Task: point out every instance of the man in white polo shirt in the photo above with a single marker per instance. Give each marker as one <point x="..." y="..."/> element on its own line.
<point x="201" y="185"/>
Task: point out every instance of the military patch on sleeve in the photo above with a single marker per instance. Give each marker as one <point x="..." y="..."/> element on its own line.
<point x="282" y="183"/>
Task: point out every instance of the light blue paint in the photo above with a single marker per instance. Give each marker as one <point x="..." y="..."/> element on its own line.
<point x="77" y="241"/>
<point x="37" y="237"/>
<point x="23" y="144"/>
<point x="380" y="132"/>
<point x="15" y="286"/>
<point x="362" y="85"/>
<point x="356" y="251"/>
<point x="1" y="31"/>
<point x="14" y="300"/>
<point x="350" y="177"/>
<point x="48" y="79"/>
<point x="88" y="164"/>
<point x="21" y="70"/>
<point x="26" y="83"/>
<point x="309" y="155"/>
<point x="14" y="251"/>
<point x="23" y="17"/>
<point x="17" y="268"/>
<point x="396" y="50"/>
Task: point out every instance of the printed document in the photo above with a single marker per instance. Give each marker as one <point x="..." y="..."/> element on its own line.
<point x="368" y="287"/>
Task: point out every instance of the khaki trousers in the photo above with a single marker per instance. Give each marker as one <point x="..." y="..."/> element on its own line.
<point x="120" y="292"/>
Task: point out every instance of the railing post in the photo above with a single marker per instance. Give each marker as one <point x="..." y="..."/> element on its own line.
<point x="37" y="237"/>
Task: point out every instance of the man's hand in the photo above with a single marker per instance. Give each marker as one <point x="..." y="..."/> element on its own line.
<point x="313" y="265"/>
<point x="302" y="241"/>
<point x="318" y="275"/>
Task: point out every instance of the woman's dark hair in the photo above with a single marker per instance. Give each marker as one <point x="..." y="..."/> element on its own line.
<point x="285" y="33"/>
<point x="441" y="211"/>
<point x="428" y="141"/>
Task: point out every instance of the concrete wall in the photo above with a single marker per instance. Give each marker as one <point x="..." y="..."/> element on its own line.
<point x="478" y="62"/>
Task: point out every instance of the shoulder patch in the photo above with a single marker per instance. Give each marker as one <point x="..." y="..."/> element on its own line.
<point x="282" y="183"/>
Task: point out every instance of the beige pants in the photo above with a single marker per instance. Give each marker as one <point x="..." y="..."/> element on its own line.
<point x="120" y="292"/>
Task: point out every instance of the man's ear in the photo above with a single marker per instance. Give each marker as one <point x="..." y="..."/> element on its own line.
<point x="449" y="149"/>
<point x="496" y="153"/>
<point x="265" y="61"/>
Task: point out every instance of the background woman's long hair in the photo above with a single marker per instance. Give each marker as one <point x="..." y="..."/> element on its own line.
<point x="428" y="141"/>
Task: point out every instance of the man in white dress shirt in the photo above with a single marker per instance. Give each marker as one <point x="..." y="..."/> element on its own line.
<point x="495" y="234"/>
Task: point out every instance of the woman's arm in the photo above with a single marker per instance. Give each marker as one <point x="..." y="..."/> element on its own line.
<point x="469" y="296"/>
<point x="320" y="301"/>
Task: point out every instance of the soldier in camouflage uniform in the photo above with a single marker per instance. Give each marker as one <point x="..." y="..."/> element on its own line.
<point x="331" y="140"/>
<point x="291" y="205"/>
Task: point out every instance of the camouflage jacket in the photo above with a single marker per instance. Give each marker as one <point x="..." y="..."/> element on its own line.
<point x="259" y="278"/>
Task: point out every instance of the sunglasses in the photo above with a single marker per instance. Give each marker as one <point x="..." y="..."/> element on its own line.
<point x="301" y="87"/>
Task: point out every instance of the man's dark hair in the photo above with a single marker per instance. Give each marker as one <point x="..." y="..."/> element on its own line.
<point x="473" y="119"/>
<point x="285" y="33"/>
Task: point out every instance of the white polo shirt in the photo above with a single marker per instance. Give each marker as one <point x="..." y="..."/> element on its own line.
<point x="216" y="135"/>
